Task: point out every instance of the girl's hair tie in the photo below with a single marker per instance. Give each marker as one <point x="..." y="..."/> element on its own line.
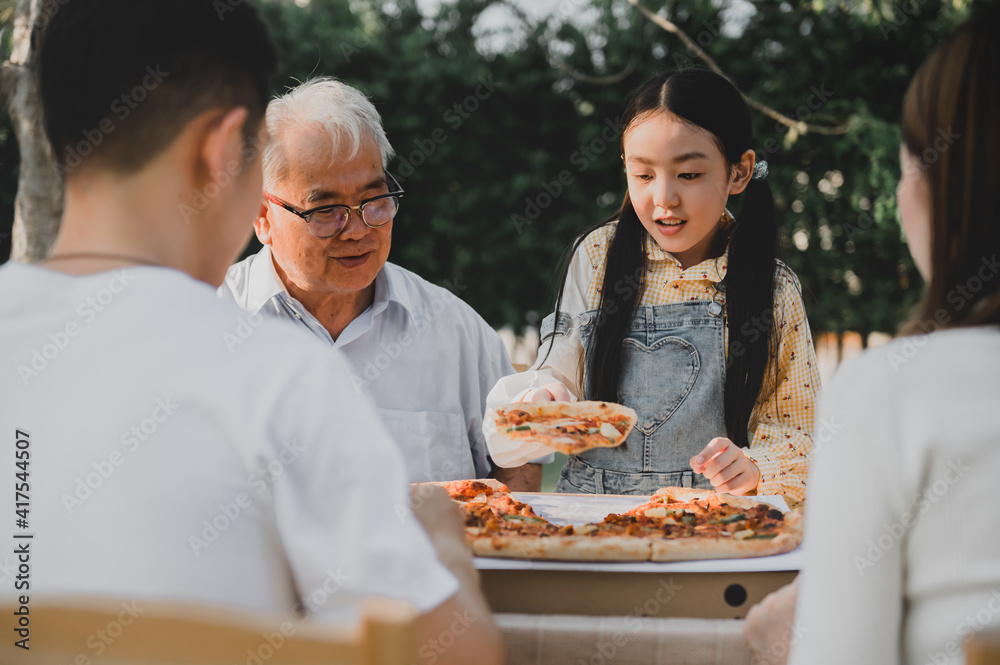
<point x="759" y="170"/>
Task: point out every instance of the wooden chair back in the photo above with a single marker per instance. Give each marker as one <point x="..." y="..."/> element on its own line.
<point x="82" y="631"/>
<point x="983" y="648"/>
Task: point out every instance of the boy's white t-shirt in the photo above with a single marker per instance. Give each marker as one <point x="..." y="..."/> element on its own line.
<point x="179" y="451"/>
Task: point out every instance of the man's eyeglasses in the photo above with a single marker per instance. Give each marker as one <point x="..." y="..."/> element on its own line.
<point x="329" y="220"/>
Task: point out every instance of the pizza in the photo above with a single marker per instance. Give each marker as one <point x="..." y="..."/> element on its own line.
<point x="568" y="427"/>
<point x="675" y="524"/>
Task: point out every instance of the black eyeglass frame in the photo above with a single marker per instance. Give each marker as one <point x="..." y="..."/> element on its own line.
<point x="306" y="214"/>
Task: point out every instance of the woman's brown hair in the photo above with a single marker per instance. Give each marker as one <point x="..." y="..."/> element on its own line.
<point x="951" y="124"/>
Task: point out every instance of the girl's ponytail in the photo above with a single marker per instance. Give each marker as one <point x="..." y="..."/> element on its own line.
<point x="749" y="286"/>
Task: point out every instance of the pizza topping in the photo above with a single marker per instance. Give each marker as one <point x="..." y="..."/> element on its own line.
<point x="762" y="536"/>
<point x="743" y="535"/>
<point x="526" y="519"/>
<point x="729" y="520"/>
<point x="515" y="416"/>
<point x="608" y="430"/>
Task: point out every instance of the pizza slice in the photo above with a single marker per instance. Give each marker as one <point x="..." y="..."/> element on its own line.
<point x="568" y="427"/>
<point x="684" y="524"/>
<point x="468" y="490"/>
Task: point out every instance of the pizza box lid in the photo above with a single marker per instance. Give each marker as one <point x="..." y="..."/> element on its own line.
<point x="584" y="508"/>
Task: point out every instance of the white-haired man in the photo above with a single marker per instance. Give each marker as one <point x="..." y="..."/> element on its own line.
<point x="326" y="225"/>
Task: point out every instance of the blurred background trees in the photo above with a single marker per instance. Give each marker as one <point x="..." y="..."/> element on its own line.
<point x="505" y="118"/>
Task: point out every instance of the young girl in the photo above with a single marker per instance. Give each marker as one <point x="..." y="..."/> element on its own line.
<point x="681" y="312"/>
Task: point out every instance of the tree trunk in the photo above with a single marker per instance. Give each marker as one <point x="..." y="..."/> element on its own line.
<point x="38" y="207"/>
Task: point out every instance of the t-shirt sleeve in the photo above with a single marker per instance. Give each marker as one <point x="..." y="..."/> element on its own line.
<point x="342" y="504"/>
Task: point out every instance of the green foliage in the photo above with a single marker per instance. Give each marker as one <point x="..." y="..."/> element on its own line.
<point x="506" y="157"/>
<point x="485" y="209"/>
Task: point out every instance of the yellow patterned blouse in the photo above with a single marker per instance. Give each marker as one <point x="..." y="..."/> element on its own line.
<point x="783" y="417"/>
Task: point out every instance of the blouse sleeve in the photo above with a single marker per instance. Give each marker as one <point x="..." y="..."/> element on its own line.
<point x="782" y="439"/>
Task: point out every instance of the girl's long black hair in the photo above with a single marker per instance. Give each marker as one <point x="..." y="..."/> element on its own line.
<point x="710" y="101"/>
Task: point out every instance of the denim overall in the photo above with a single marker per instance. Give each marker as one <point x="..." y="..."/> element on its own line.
<point x="673" y="374"/>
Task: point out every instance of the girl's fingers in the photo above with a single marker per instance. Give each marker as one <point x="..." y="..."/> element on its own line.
<point x="538" y="395"/>
<point x="558" y="391"/>
<point x="740" y="484"/>
<point x="550" y="392"/>
<point x="714" y="447"/>
<point x="721" y="462"/>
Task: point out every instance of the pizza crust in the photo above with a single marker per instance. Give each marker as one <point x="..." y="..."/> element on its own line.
<point x="495" y="484"/>
<point x="694" y="549"/>
<point x="688" y="494"/>
<point x="564" y="548"/>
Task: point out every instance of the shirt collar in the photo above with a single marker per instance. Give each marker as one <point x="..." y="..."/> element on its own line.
<point x="391" y="286"/>
<point x="264" y="283"/>
<point x="712" y="269"/>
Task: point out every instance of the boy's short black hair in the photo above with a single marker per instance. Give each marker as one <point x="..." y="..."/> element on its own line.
<point x="120" y="79"/>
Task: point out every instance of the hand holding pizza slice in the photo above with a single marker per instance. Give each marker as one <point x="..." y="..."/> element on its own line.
<point x="568" y="427"/>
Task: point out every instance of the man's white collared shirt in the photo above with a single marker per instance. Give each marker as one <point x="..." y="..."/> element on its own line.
<point x="426" y="357"/>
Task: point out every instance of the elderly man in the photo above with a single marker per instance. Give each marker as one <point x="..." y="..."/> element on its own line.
<point x="326" y="225"/>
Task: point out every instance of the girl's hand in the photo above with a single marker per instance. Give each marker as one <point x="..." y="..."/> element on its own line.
<point x="550" y="392"/>
<point x="726" y="467"/>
